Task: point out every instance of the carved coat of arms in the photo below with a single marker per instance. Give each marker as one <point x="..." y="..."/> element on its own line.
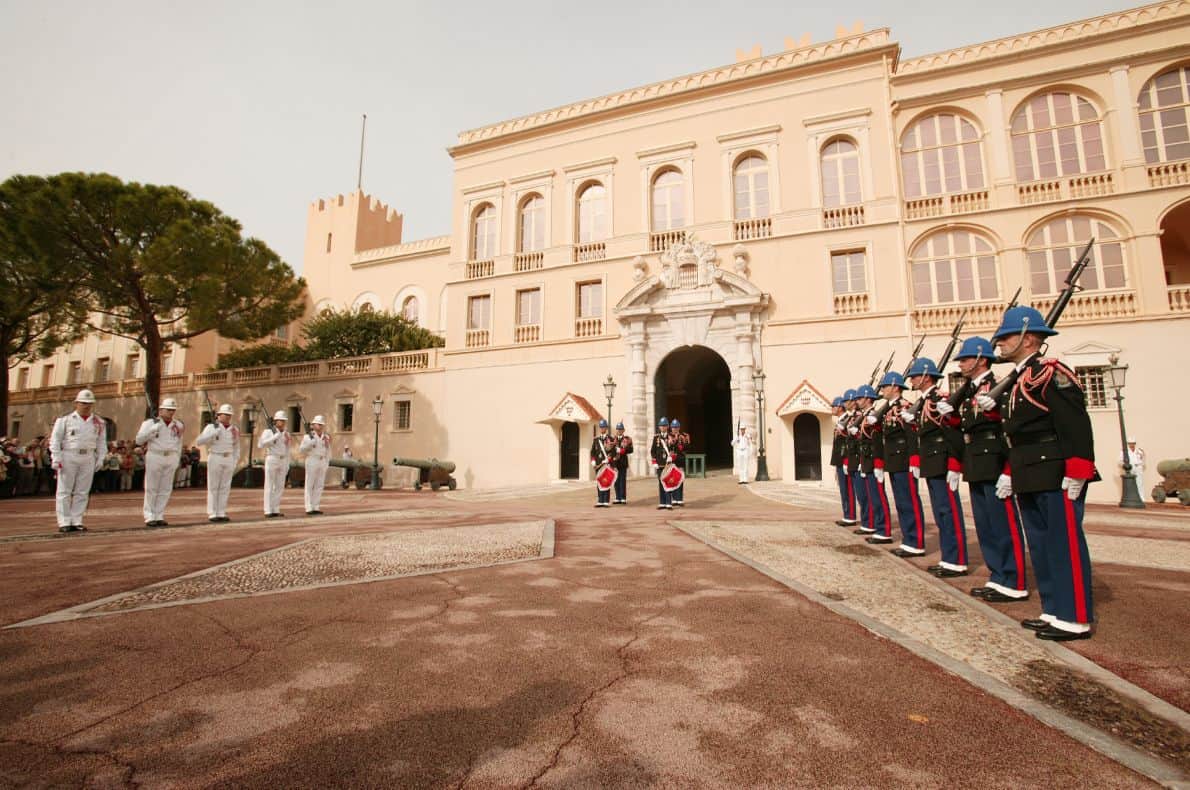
<point x="689" y="264"/>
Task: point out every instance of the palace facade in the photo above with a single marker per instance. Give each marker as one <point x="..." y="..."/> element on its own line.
<point x="798" y="215"/>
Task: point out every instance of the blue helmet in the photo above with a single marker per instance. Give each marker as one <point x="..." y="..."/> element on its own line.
<point x="1022" y="319"/>
<point x="675" y="424"/>
<point x="603" y="423"/>
<point x="836" y="403"/>
<point x="866" y="391"/>
<point x="849" y="395"/>
<point x="619" y="426"/>
<point x="892" y="378"/>
<point x="663" y="423"/>
<point x="924" y="366"/>
<point x="976" y="347"/>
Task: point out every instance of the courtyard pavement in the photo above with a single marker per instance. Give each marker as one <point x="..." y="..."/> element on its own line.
<point x="523" y="638"/>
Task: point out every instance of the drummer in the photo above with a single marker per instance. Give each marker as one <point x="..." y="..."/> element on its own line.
<point x="602" y="455"/>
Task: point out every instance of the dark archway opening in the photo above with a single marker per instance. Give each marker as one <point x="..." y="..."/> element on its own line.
<point x="568" y="449"/>
<point x="1175" y="245"/>
<point x="807" y="448"/>
<point x="694" y="385"/>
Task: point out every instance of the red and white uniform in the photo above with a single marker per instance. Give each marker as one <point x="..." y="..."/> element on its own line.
<point x="77" y="449"/>
<point x="163" y="444"/>
<point x="223" y="455"/>
<point x="317" y="449"/>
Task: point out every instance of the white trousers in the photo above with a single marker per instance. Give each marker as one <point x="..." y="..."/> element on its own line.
<point x="275" y="470"/>
<point x="741" y="465"/>
<point x="74" y="488"/>
<point x="315" y="481"/>
<point x="159" y="483"/>
<point x="219" y="472"/>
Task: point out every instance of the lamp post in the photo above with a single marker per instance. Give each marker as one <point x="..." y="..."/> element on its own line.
<point x="609" y="389"/>
<point x="762" y="464"/>
<point x="377" y="408"/>
<point x="251" y="444"/>
<point x="1129" y="495"/>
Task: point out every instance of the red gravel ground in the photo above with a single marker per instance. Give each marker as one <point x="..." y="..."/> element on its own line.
<point x="637" y="656"/>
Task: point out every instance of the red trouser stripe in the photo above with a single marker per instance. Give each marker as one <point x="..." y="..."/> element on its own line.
<point x="918" y="516"/>
<point x="871" y="507"/>
<point x="884" y="504"/>
<point x="958" y="527"/>
<point x="1076" y="562"/>
<point x="1018" y="551"/>
<point x="850" y="499"/>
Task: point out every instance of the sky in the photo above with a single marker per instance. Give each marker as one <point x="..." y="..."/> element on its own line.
<point x="256" y="106"/>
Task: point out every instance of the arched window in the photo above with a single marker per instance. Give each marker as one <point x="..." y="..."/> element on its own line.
<point x="669" y="201"/>
<point x="751" y="184"/>
<point x="409" y="309"/>
<point x="939" y="154"/>
<point x="840" y="174"/>
<point x="953" y="266"/>
<point x="1053" y="247"/>
<point x="532" y="225"/>
<point x="1163" y="106"/>
<point x="483" y="233"/>
<point x="1056" y="134"/>
<point x="592" y="213"/>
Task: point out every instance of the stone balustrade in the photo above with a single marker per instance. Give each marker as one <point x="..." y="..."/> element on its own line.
<point x="527" y="261"/>
<point x="1179" y="298"/>
<point x="588" y="327"/>
<point x="929" y="318"/>
<point x="526" y="333"/>
<point x="1092" y="306"/>
<point x="478" y="338"/>
<point x="480" y="269"/>
<point x="851" y="304"/>
<point x="660" y="241"/>
<point x="1169" y="174"/>
<point x="842" y="217"/>
<point x="747" y="229"/>
<point x="593" y="251"/>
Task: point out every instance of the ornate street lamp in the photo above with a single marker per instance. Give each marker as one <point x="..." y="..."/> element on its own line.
<point x="1129" y="495"/>
<point x="377" y="408"/>
<point x="609" y="389"/>
<point x="762" y="464"/>
<point x="251" y="444"/>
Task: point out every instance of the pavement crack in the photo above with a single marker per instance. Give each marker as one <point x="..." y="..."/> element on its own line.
<point x="130" y="770"/>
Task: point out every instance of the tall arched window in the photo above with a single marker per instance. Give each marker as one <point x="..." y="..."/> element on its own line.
<point x="840" y="174"/>
<point x="483" y="233"/>
<point x="1053" y="247"/>
<point x="751" y="185"/>
<point x="953" y="266"/>
<point x="532" y="225"/>
<point x="939" y="154"/>
<point x="669" y="201"/>
<point x="1056" y="134"/>
<point x="410" y="308"/>
<point x="1164" y="105"/>
<point x="592" y="213"/>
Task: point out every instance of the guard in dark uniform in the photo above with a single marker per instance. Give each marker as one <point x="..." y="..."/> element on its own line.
<point x="841" y="410"/>
<point x="623" y="450"/>
<point x="1051" y="459"/>
<point x="679" y="442"/>
<point x="900" y="445"/>
<point x="602" y="454"/>
<point x="871" y="470"/>
<point x="852" y="461"/>
<point x="940" y="448"/>
<point x="997" y="520"/>
<point x="660" y="455"/>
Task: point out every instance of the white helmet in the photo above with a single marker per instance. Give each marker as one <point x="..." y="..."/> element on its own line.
<point x="281" y="415"/>
<point x="169" y="403"/>
<point x="318" y="420"/>
<point x="226" y="409"/>
<point x="85" y="396"/>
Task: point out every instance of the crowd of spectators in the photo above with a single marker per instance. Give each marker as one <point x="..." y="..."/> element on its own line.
<point x="26" y="468"/>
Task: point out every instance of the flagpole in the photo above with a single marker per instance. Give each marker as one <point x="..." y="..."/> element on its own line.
<point x="359" y="182"/>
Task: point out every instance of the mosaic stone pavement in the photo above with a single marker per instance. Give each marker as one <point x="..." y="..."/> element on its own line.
<point x="331" y="561"/>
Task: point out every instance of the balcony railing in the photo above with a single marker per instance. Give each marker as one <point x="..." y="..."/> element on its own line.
<point x="175" y="383"/>
<point x="966" y="202"/>
<point x="478" y="338"/>
<point x="851" y="304"/>
<point x="592" y="251"/>
<point x="105" y="389"/>
<point x="526" y="333"/>
<point x="480" y="269"/>
<point x="1179" y="298"/>
<point x="1092" y="306"/>
<point x="213" y="378"/>
<point x="405" y="362"/>
<point x="349" y="367"/>
<point x="1039" y="192"/>
<point x="251" y="375"/>
<point x="1169" y="174"/>
<point x="939" y="205"/>
<point x="525" y="262"/>
<point x="944" y="316"/>
<point x="842" y="217"/>
<point x="297" y="371"/>
<point x="660" y="241"/>
<point x="921" y="208"/>
<point x="759" y="228"/>
<point x="1095" y="185"/>
<point x="588" y="327"/>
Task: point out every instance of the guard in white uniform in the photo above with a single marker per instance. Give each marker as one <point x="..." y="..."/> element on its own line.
<point x="275" y="442"/>
<point x="317" y="448"/>
<point x="78" y="445"/>
<point x="222" y="440"/>
<point x="743" y="454"/>
<point x="162" y="438"/>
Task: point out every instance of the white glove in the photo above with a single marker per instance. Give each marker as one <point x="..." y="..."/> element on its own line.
<point x="846" y="471"/>
<point x="916" y="472"/>
<point x="593" y="462"/>
<point x="870" y="419"/>
<point x="1073" y="487"/>
<point x="853" y="430"/>
<point x="986" y="402"/>
<point x="953" y="479"/>
<point x="944" y="408"/>
<point x="908" y="416"/>
<point x="863" y="474"/>
<point x="1004" y="486"/>
<point x="879" y="475"/>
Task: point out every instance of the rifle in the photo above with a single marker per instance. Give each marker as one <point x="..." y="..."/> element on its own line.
<point x="942" y="361"/>
<point x="883" y="407"/>
<point x="152" y="407"/>
<point x="1004" y="385"/>
<point x="888" y="364"/>
<point x="875" y="373"/>
<point x="210" y="406"/>
<point x="1015" y="299"/>
<point x="959" y="395"/>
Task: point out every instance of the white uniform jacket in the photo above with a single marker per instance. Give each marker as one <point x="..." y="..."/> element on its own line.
<point x="75" y="436"/>
<point x="316" y="448"/>
<point x="275" y="443"/>
<point x="220" y="441"/>
<point x="159" y="437"/>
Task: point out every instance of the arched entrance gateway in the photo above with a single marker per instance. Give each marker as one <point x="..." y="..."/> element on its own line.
<point x="693" y="343"/>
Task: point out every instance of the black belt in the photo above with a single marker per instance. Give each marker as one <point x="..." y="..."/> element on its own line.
<point x="1026" y="439"/>
<point x="980" y="435"/>
<point x="933" y="438"/>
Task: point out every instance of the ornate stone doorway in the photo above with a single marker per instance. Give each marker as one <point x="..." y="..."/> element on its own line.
<point x="693" y="384"/>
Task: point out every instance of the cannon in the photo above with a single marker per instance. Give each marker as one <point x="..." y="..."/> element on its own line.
<point x="297" y="472"/>
<point x="430" y="471"/>
<point x="1176" y="472"/>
